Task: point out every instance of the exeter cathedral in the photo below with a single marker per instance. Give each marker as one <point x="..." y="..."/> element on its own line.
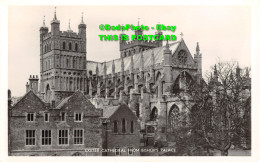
<point x="141" y="77"/>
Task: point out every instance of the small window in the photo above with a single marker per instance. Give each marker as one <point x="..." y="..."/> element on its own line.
<point x="76" y="47"/>
<point x="63" y="137"/>
<point x="30" y="117"/>
<point x="46" y="137"/>
<point x="117" y="151"/>
<point x="78" y="117"/>
<point x="30" y="137"/>
<point x="123" y="126"/>
<point x="78" y="136"/>
<point x="115" y="127"/>
<point x="64" y="45"/>
<point x="63" y="116"/>
<point x="70" y="46"/>
<point x="130" y="151"/>
<point x="132" y="127"/>
<point x="46" y="117"/>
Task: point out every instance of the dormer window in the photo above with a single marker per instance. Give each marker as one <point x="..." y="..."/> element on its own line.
<point x="78" y="117"/>
<point x="30" y="117"/>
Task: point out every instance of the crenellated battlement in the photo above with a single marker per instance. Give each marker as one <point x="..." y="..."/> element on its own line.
<point x="126" y="45"/>
<point x="69" y="34"/>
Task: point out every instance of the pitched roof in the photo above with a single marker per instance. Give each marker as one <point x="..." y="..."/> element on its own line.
<point x="62" y="103"/>
<point x="27" y="94"/>
<point x="147" y="55"/>
<point x="109" y="111"/>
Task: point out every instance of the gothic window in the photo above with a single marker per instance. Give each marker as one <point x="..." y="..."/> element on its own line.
<point x="115" y="127"/>
<point x="70" y="46"/>
<point x="76" y="47"/>
<point x="45" y="48"/>
<point x="182" y="57"/>
<point x="174" y="117"/>
<point x="64" y="45"/>
<point x="154" y="114"/>
<point x="123" y="125"/>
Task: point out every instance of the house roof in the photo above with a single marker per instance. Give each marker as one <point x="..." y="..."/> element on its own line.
<point x="147" y="57"/>
<point x="27" y="94"/>
<point x="62" y="102"/>
<point x="109" y="111"/>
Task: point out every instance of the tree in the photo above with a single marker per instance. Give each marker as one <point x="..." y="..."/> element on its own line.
<point x="220" y="114"/>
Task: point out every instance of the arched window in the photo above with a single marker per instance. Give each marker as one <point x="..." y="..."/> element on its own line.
<point x="68" y="62"/>
<point x="123" y="126"/>
<point x="70" y="46"/>
<point x="115" y="127"/>
<point x="76" y="47"/>
<point x="45" y="48"/>
<point x="154" y="114"/>
<point x="174" y="117"/>
<point x="64" y="45"/>
<point x="74" y="63"/>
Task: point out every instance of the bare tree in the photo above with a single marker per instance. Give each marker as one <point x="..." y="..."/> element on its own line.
<point x="220" y="113"/>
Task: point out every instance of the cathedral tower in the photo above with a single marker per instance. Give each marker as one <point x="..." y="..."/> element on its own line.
<point x="63" y="61"/>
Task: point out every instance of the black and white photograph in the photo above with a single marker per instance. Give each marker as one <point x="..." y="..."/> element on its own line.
<point x="122" y="80"/>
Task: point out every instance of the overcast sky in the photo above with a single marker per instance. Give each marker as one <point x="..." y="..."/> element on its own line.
<point x="223" y="32"/>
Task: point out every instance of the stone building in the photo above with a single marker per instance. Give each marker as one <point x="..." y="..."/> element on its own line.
<point x="62" y="61"/>
<point x="121" y="132"/>
<point x="37" y="128"/>
<point x="143" y="80"/>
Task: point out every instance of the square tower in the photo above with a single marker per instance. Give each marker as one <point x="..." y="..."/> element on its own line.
<point x="62" y="61"/>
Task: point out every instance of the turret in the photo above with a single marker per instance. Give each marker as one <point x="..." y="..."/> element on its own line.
<point x="198" y="60"/>
<point x="69" y="29"/>
<point x="113" y="68"/>
<point x="55" y="25"/>
<point x="160" y="42"/>
<point x="44" y="29"/>
<point x="167" y="67"/>
<point x="82" y="28"/>
<point x="138" y="32"/>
